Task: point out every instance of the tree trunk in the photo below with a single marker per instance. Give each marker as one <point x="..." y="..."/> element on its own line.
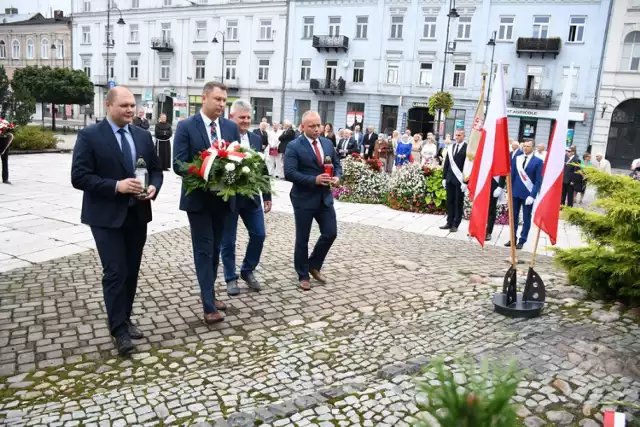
<point x="43" y="106"/>
<point x="53" y="117"/>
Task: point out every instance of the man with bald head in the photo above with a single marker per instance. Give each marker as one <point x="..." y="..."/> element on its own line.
<point x="103" y="167"/>
<point x="311" y="196"/>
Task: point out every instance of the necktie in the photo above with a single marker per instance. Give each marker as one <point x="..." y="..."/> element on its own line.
<point x="524" y="164"/>
<point x="214" y="132"/>
<point x="455" y="150"/>
<point x="317" y="150"/>
<point x="126" y="151"/>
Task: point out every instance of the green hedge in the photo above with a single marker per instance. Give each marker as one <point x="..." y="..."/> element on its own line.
<point x="32" y="138"/>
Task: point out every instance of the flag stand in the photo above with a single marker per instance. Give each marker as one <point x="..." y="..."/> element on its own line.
<point x="508" y="302"/>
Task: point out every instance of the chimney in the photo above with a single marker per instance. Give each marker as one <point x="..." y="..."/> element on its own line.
<point x="58" y="14"/>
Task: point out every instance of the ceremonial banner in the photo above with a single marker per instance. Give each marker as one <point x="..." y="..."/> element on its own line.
<point x="476" y="133"/>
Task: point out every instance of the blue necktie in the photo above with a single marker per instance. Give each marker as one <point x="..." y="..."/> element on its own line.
<point x="126" y="151"/>
<point x="214" y="132"/>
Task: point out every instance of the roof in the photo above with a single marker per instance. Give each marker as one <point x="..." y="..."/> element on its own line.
<point x="9" y="19"/>
<point x="31" y="19"/>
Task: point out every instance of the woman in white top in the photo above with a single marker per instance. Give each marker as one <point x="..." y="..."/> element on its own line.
<point x="415" y="149"/>
<point x="429" y="151"/>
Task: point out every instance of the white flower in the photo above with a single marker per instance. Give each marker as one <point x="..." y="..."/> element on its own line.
<point x="248" y="155"/>
<point x="261" y="155"/>
<point x="245" y="169"/>
<point x="230" y="167"/>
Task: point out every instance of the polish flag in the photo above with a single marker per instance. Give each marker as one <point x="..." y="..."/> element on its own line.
<point x="612" y="418"/>
<point x="492" y="159"/>
<point x="546" y="210"/>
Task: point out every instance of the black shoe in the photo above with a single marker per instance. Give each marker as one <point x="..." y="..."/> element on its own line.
<point x="445" y="227"/>
<point x="232" y="288"/>
<point x="124" y="345"/>
<point x="251" y="280"/>
<point x="487" y="237"/>
<point x="134" y="332"/>
<point x="453" y="229"/>
<point x="508" y="244"/>
<point x="519" y="246"/>
<point x="6" y="182"/>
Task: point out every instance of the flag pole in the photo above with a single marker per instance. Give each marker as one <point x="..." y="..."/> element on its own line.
<point x="512" y="231"/>
<point x="535" y="249"/>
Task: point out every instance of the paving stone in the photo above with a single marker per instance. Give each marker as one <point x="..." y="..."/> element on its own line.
<point x="559" y="417"/>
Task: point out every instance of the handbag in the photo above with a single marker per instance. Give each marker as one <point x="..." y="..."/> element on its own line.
<point x="273" y="151"/>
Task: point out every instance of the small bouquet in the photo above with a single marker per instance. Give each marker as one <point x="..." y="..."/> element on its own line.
<point x="6" y="127"/>
<point x="227" y="169"/>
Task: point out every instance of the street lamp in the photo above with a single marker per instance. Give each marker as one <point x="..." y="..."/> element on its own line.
<point x="215" y="40"/>
<point x="492" y="43"/>
<point x="188" y="98"/>
<point x="110" y="41"/>
<point x="449" y="48"/>
<point x="53" y="47"/>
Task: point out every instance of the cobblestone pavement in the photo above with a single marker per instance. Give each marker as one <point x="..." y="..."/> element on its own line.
<point x="345" y="353"/>
<point x="40" y="214"/>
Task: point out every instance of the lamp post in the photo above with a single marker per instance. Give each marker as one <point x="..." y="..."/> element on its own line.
<point x="188" y="98"/>
<point x="492" y="43"/>
<point x="54" y="47"/>
<point x="449" y="48"/>
<point x="215" y="40"/>
<point x="110" y="41"/>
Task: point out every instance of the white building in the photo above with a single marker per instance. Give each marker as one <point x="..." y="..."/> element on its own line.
<point x="390" y="55"/>
<point x="166" y="47"/>
<point x="616" y="132"/>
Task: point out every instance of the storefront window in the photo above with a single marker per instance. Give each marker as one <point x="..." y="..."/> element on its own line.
<point x="195" y="104"/>
<point x="262" y="107"/>
<point x="355" y="114"/>
<point x="302" y="106"/>
<point x="454" y="120"/>
<point x="527" y="129"/>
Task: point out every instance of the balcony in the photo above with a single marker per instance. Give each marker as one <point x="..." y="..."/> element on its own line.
<point x="531" y="46"/>
<point x="531" y="97"/>
<point x="327" y="87"/>
<point x="99" y="80"/>
<point x="329" y="43"/>
<point x="232" y="84"/>
<point x="162" y="44"/>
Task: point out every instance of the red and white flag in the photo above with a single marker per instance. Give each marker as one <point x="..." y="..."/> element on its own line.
<point x="546" y="211"/>
<point x="492" y="159"/>
<point x="613" y="419"/>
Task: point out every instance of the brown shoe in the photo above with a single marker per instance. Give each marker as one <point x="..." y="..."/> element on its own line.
<point x="317" y="275"/>
<point x="220" y="305"/>
<point x="305" y="285"/>
<point x="215" y="317"/>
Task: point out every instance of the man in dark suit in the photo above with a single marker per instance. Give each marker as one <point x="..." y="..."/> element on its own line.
<point x="369" y="141"/>
<point x="288" y="134"/>
<point x="103" y="167"/>
<point x="497" y="189"/>
<point x="249" y="209"/>
<point x="526" y="178"/>
<point x="206" y="211"/>
<point x="454" y="181"/>
<point x="141" y="120"/>
<point x="570" y="176"/>
<point x="263" y="134"/>
<point x="347" y="145"/>
<point x="311" y="196"/>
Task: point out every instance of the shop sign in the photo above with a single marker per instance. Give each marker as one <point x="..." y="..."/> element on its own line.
<point x="543" y="114"/>
<point x="420" y="104"/>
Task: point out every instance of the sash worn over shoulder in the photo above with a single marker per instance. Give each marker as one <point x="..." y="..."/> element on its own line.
<point x="522" y="174"/>
<point x="452" y="164"/>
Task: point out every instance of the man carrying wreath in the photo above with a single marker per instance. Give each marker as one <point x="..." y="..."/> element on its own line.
<point x="205" y="209"/>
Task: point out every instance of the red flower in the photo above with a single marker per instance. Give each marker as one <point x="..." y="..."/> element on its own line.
<point x="223" y="154"/>
<point x="193" y="170"/>
<point x="205" y="154"/>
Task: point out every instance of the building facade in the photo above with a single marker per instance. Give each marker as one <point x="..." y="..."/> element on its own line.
<point x="616" y="131"/>
<point x="165" y="51"/>
<point x="378" y="61"/>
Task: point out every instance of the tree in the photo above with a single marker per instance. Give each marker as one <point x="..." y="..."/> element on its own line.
<point x="55" y="86"/>
<point x="16" y="105"/>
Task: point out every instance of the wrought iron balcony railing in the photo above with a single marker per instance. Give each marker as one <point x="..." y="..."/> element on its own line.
<point x="162" y="44"/>
<point x="531" y="46"/>
<point x="327" y="86"/>
<point x="328" y="43"/>
<point x="523" y="96"/>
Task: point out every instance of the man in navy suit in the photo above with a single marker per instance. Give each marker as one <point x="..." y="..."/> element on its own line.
<point x="311" y="196"/>
<point x="454" y="181"/>
<point x="206" y="211"/>
<point x="515" y="150"/>
<point x="249" y="209"/>
<point x="526" y="178"/>
<point x="103" y="167"/>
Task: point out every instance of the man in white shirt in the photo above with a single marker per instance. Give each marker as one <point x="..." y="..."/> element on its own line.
<point x="541" y="153"/>
<point x="603" y="164"/>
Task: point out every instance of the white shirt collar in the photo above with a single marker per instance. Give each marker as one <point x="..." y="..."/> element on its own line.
<point x="207" y="121"/>
<point x="244" y="140"/>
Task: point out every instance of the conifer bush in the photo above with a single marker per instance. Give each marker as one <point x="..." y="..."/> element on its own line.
<point x="609" y="267"/>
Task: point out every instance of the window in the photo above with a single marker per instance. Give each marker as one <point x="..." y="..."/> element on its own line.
<point x="453" y="121"/>
<point x="464" y="28"/>
<point x="327" y="110"/>
<point x="230" y="68"/>
<point x="262" y="107"/>
<point x="44" y="49"/>
<point x="358" y="71"/>
<point x="3" y="50"/>
<point x="505" y="69"/>
<point x="331" y="70"/>
<point x="135" y="4"/>
<point x="459" y="74"/>
<point x="429" y="30"/>
<point x="362" y="22"/>
<point x="133" y="34"/>
<point x="59" y="49"/>
<point x="425" y="76"/>
<point x="165" y="69"/>
<point x="396" y="27"/>
<point x="86" y="6"/>
<point x="574" y="78"/>
<point x="232" y="30"/>
<point x="133" y="69"/>
<point x="540" y="27"/>
<point x="393" y="72"/>
<point x="631" y="52"/>
<point x="263" y="70"/>
<point x="167" y="2"/>
<point x="334" y="26"/>
<point x="201" y="30"/>
<point x="86" y="35"/>
<point x="305" y="69"/>
<point x="634" y="4"/>
<point x="86" y="67"/>
<point x="108" y="33"/>
<point x="355" y="113"/>
<point x="110" y="68"/>
<point x="265" y="29"/>
<point x="166" y="30"/>
<point x="15" y="49"/>
<point x="307" y="27"/>
<point x="200" y="69"/>
<point x="30" y="49"/>
<point x="506" y="28"/>
<point x="576" y="29"/>
<point x="303" y="105"/>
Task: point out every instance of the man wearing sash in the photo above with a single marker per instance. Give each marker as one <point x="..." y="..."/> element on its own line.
<point x="454" y="182"/>
<point x="526" y="176"/>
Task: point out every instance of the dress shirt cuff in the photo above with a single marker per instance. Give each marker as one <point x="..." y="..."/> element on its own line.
<point x="117" y="187"/>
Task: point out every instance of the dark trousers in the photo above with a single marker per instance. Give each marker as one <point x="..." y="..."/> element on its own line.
<point x="325" y="216"/>
<point x="164" y="153"/>
<point x="5" y="160"/>
<point x="253" y="219"/>
<point x="526" y="218"/>
<point x="455" y="204"/>
<point x="491" y="219"/>
<point x="120" y="251"/>
<point x="206" y="237"/>
<point x="567" y="194"/>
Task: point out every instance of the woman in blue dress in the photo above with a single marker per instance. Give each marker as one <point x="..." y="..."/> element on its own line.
<point x="403" y="152"/>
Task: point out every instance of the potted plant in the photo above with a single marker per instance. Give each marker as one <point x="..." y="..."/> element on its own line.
<point x="440" y="101"/>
